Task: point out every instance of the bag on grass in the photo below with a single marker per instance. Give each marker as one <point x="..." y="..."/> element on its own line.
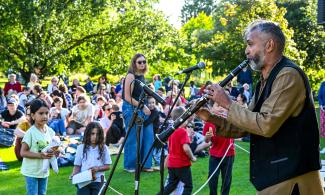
<point x="7" y="137"/>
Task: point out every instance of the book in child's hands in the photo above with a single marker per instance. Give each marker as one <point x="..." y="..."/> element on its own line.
<point x="82" y="179"/>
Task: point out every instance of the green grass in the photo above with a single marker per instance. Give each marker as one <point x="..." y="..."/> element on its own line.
<point x="13" y="182"/>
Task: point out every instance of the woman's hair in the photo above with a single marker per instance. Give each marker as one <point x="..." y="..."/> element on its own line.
<point x="99" y="139"/>
<point x="60" y="94"/>
<point x="243" y="97"/>
<point x="133" y="64"/>
<point x="156" y="77"/>
<point x="35" y="105"/>
<point x="33" y="76"/>
<point x="82" y="97"/>
<point x="63" y="88"/>
<point x="57" y="99"/>
<point x="81" y="89"/>
<point x="99" y="83"/>
<point x="38" y="88"/>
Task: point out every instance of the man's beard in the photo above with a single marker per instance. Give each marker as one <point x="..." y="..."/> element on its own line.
<point x="257" y="62"/>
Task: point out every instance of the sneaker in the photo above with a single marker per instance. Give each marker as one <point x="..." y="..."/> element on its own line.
<point x="129" y="170"/>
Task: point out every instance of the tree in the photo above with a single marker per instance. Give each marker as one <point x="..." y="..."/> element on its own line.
<point x="192" y="8"/>
<point x="224" y="45"/>
<point x="309" y="36"/>
<point x="53" y="36"/>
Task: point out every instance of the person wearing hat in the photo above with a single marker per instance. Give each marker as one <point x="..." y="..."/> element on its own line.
<point x="11" y="116"/>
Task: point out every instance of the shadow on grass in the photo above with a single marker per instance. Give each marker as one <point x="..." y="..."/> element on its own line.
<point x="13" y="164"/>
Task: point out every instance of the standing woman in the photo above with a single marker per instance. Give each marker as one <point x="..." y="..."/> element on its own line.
<point x="321" y="99"/>
<point x="131" y="94"/>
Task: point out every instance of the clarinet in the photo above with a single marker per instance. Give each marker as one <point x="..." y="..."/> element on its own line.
<point x="163" y="136"/>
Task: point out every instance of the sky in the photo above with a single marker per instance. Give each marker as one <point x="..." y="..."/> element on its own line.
<point x="172" y="9"/>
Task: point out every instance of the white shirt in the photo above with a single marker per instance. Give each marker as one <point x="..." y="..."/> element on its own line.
<point x="92" y="159"/>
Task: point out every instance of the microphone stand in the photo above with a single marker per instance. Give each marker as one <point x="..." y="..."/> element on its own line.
<point x="162" y="156"/>
<point x="139" y="120"/>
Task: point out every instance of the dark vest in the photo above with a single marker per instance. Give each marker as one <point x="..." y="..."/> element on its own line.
<point x="294" y="149"/>
<point x="137" y="89"/>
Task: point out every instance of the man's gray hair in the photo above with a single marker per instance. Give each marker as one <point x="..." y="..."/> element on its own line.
<point x="270" y="28"/>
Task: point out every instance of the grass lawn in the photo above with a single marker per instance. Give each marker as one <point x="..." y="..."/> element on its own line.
<point x="13" y="182"/>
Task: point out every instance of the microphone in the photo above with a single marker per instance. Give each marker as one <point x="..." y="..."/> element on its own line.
<point x="151" y="93"/>
<point x="190" y="69"/>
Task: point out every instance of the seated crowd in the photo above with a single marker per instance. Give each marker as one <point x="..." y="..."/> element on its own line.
<point x="71" y="108"/>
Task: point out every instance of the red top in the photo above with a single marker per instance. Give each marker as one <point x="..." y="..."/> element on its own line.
<point x="219" y="144"/>
<point x="16" y="86"/>
<point x="177" y="157"/>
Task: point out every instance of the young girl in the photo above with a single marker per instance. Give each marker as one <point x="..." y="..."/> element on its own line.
<point x="92" y="154"/>
<point x="36" y="138"/>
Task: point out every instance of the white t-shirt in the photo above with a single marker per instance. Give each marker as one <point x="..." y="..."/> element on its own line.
<point x="81" y="115"/>
<point x="92" y="159"/>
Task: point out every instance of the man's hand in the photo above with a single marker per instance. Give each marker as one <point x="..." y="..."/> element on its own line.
<point x="217" y="94"/>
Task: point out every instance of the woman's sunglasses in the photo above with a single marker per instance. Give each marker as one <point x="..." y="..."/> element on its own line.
<point x="142" y="62"/>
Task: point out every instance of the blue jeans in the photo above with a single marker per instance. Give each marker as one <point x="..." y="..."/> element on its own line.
<point x="146" y="139"/>
<point x="58" y="126"/>
<point x="226" y="174"/>
<point x="36" y="186"/>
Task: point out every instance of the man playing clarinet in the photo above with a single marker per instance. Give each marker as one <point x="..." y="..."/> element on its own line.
<point x="281" y="118"/>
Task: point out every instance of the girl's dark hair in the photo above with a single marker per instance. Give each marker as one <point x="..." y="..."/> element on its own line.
<point x="35" y="105"/>
<point x="99" y="83"/>
<point x="243" y="97"/>
<point x="60" y="94"/>
<point x="38" y="88"/>
<point x="133" y="65"/>
<point x="99" y="141"/>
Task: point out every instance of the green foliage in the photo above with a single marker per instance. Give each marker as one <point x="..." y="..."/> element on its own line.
<point x="192" y="8"/>
<point x="224" y="47"/>
<point x="51" y="36"/>
<point x="309" y="36"/>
